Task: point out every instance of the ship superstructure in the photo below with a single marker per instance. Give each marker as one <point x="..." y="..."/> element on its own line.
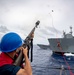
<point x="64" y="44"/>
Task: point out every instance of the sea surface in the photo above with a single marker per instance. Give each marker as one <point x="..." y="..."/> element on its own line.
<point x="46" y="63"/>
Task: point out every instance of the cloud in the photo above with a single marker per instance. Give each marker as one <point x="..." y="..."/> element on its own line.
<point x="45" y="32"/>
<point x="53" y="30"/>
<point x="3" y="29"/>
<point x="20" y="16"/>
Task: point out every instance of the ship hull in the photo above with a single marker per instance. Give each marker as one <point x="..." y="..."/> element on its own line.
<point x="65" y="45"/>
<point x="43" y="46"/>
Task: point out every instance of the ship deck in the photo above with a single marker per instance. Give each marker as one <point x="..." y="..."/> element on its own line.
<point x="47" y="63"/>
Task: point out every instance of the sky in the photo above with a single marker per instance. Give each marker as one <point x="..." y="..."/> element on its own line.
<point x="21" y="15"/>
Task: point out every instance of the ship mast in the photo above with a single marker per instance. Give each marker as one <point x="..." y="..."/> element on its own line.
<point x="64" y="34"/>
<point x="71" y="30"/>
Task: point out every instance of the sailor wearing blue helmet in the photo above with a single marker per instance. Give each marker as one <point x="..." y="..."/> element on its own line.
<point x="9" y="44"/>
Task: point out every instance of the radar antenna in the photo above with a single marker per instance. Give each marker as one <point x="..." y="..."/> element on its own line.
<point x="71" y="29"/>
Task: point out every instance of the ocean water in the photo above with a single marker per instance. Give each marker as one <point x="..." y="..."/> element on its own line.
<point x="47" y="63"/>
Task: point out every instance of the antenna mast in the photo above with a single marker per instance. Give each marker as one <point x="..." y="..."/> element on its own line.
<point x="71" y="29"/>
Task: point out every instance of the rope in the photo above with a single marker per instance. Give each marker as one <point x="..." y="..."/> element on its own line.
<point x="59" y="46"/>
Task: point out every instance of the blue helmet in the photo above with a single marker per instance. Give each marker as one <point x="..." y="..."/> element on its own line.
<point x="10" y="42"/>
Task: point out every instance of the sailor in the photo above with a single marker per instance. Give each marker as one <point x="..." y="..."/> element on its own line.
<point x="10" y="43"/>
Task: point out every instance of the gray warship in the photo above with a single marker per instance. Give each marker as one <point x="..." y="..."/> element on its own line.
<point x="42" y="46"/>
<point x="64" y="44"/>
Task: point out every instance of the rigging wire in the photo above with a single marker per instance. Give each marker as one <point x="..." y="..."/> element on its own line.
<point x="59" y="46"/>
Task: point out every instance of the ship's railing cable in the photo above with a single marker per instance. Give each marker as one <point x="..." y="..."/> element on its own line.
<point x="55" y="67"/>
<point x="62" y="69"/>
<point x="59" y="46"/>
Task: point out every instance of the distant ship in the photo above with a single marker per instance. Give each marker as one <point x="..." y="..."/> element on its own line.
<point x="42" y="46"/>
<point x="64" y="44"/>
